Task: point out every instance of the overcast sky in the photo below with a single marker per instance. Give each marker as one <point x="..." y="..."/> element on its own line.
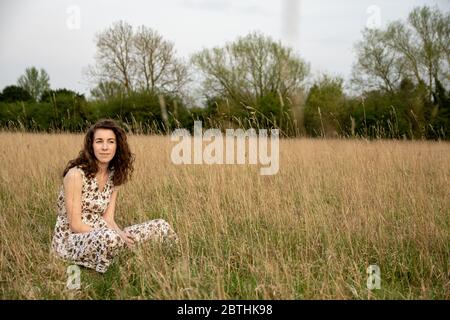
<point x="59" y="35"/>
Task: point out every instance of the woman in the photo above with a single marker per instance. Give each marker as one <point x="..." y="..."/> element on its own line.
<point x="86" y="232"/>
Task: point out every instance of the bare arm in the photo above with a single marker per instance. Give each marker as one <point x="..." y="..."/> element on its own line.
<point x="73" y="183"/>
<point x="108" y="216"/>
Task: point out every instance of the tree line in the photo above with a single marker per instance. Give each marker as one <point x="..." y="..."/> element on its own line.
<point x="399" y="86"/>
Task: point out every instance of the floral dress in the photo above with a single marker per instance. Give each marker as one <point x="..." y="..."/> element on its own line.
<point x="96" y="249"/>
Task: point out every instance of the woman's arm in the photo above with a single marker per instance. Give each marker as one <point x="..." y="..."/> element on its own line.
<point x="108" y="216"/>
<point x="73" y="183"/>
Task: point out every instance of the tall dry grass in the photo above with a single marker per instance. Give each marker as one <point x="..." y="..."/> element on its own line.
<point x="311" y="231"/>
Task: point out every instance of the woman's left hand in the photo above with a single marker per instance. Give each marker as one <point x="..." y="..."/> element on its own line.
<point x="127" y="237"/>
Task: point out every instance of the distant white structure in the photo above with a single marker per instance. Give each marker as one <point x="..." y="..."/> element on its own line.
<point x="290" y="20"/>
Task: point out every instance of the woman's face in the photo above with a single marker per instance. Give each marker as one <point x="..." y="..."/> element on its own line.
<point x="104" y="145"/>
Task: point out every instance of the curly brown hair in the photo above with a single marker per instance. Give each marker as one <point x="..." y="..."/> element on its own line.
<point x="122" y="162"/>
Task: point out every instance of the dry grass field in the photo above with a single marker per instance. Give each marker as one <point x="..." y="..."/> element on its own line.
<point x="309" y="232"/>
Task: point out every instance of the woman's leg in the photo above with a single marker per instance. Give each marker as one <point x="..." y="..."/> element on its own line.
<point x="157" y="229"/>
<point x="95" y="249"/>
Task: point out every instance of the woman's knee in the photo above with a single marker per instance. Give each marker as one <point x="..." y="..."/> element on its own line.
<point x="163" y="226"/>
<point x="166" y="230"/>
<point x="162" y="223"/>
<point x="112" y="238"/>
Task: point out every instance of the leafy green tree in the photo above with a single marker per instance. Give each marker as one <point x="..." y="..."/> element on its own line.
<point x="142" y="111"/>
<point x="15" y="93"/>
<point x="324" y="107"/>
<point x="69" y="109"/>
<point x="34" y="82"/>
<point x="405" y="67"/>
<point x="254" y="75"/>
<point x="377" y="67"/>
<point x="384" y="114"/>
<point x="417" y="49"/>
<point x="106" y="90"/>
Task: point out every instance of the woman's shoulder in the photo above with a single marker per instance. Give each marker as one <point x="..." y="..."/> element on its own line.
<point x="75" y="173"/>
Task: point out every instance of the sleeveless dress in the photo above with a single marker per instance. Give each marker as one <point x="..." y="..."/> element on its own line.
<point x="96" y="249"/>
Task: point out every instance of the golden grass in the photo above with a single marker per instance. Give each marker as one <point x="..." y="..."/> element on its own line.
<point x="309" y="232"/>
